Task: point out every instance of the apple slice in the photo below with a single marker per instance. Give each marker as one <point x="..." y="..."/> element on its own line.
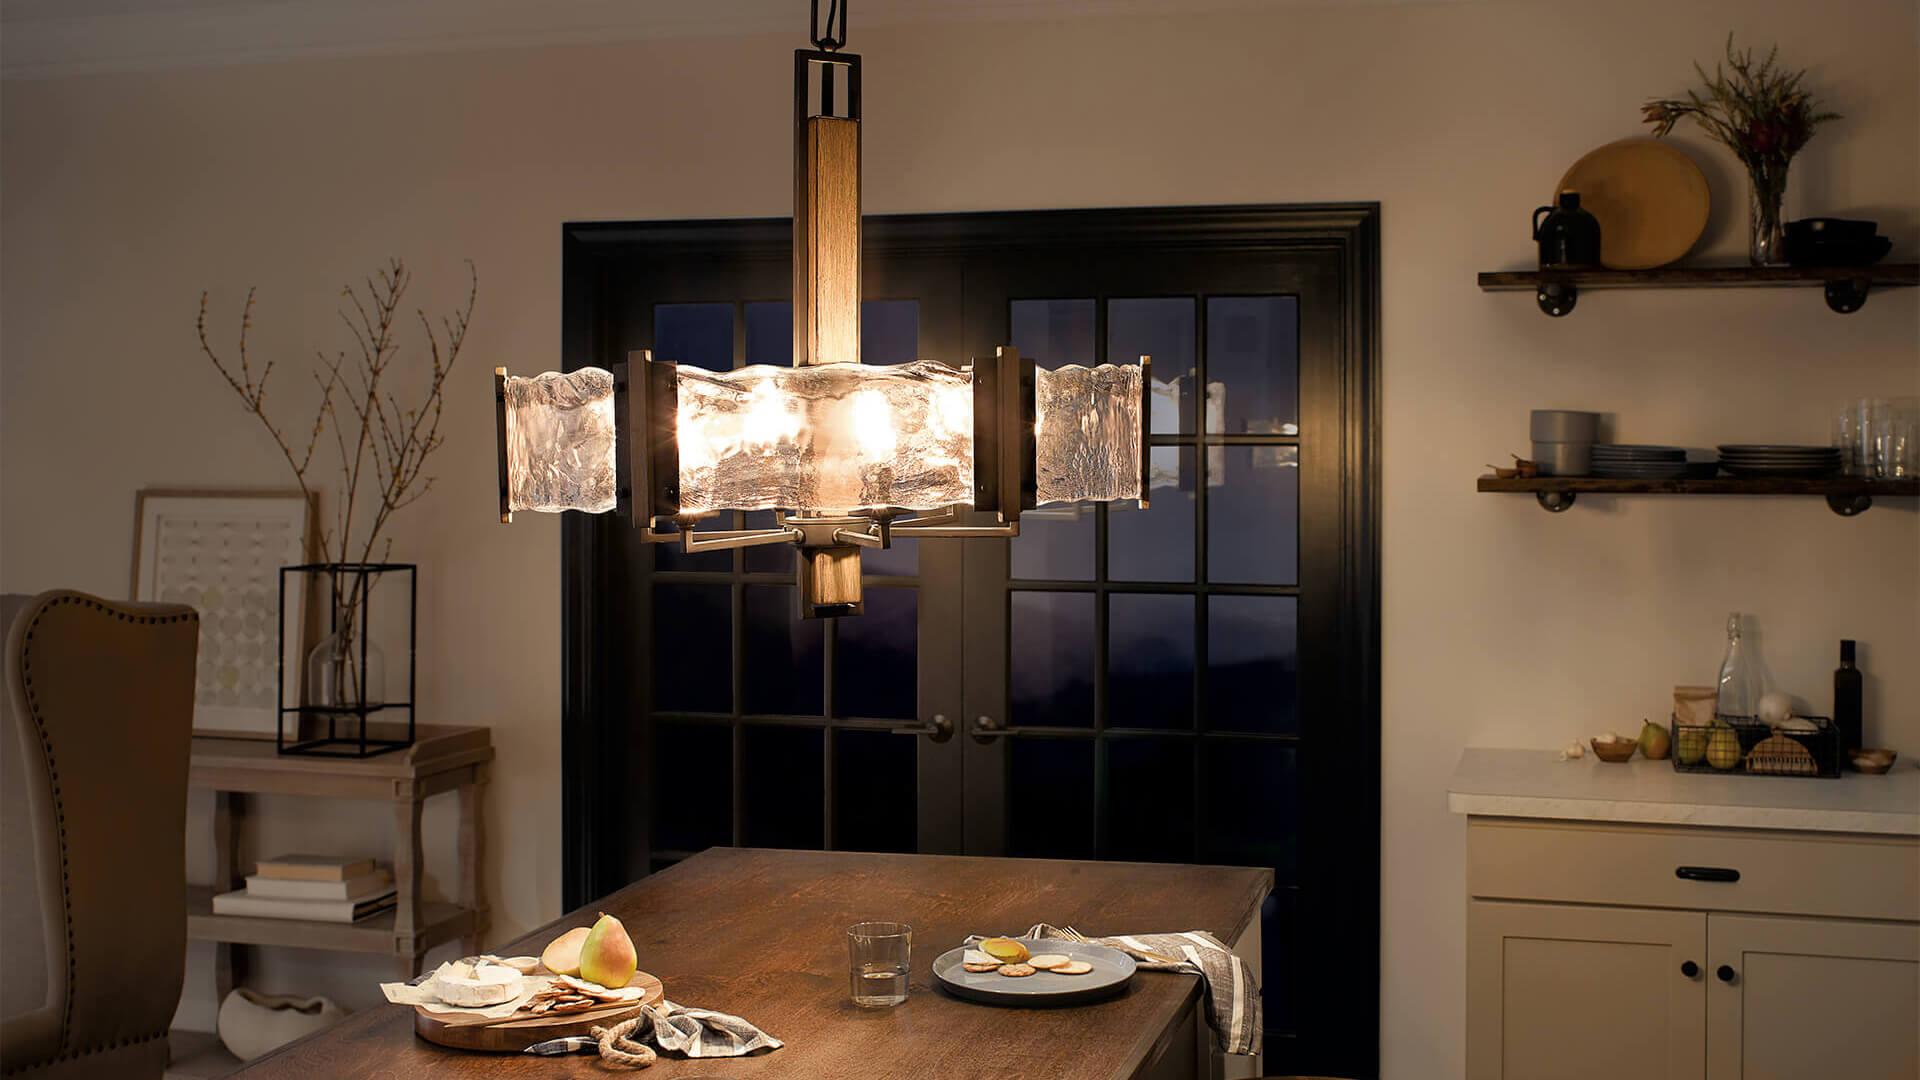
<point x="562" y="955"/>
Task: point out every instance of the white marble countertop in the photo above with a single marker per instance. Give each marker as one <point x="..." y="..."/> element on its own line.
<point x="1536" y="784"/>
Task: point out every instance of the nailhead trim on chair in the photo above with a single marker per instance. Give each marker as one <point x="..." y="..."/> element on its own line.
<point x="60" y="812"/>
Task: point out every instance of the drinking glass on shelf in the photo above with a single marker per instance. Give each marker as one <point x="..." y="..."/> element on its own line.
<point x="879" y="955"/>
<point x="1846" y="438"/>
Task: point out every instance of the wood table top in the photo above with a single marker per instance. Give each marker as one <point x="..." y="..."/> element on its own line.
<point x="760" y="934"/>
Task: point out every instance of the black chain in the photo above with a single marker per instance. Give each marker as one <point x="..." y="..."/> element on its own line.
<point x="834" y="35"/>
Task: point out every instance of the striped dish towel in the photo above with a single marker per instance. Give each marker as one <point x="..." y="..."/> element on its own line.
<point x="689" y="1032"/>
<point x="1233" y="997"/>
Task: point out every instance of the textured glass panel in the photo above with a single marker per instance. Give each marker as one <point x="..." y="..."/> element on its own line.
<point x="1253" y="515"/>
<point x="1051" y="665"/>
<point x="697" y="334"/>
<point x="1086" y="433"/>
<point x="692" y="786"/>
<point x="1250" y="806"/>
<point x="782" y="787"/>
<point x="876" y="791"/>
<point x="876" y="659"/>
<point x="889" y="331"/>
<point x="1054" y="545"/>
<point x="770" y="333"/>
<point x="1149" y="799"/>
<point x="1150" y="646"/>
<point x="784" y="653"/>
<point x="830" y="437"/>
<point x="692" y="648"/>
<point x="560" y="442"/>
<point x="1053" y="332"/>
<point x="1253" y="663"/>
<point x="1155" y="544"/>
<point x="1253" y="365"/>
<point x="1160" y="327"/>
<point x="1050" y="798"/>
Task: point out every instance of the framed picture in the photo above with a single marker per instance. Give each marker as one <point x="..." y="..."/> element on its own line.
<point x="221" y="553"/>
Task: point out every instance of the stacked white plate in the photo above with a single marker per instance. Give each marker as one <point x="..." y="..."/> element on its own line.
<point x="1627" y="461"/>
<point x="1750" y="460"/>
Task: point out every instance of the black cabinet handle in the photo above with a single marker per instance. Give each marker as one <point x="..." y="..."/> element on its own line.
<point x="1723" y="973"/>
<point x="1706" y="873"/>
<point x="1690" y="969"/>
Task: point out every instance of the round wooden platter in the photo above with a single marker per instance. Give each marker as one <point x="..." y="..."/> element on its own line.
<point x="511" y="1035"/>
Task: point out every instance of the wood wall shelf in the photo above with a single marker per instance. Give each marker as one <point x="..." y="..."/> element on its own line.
<point x="1845" y="495"/>
<point x="1846" y="287"/>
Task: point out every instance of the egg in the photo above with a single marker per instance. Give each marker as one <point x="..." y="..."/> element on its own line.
<point x="1775" y="707"/>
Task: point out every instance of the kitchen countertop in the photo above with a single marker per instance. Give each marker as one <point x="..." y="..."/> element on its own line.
<point x="1536" y="784"/>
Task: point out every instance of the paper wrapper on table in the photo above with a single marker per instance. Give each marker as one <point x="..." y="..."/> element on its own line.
<point x="417" y="993"/>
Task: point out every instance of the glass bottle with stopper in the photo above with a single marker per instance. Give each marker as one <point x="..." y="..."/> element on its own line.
<point x="1739" y="677"/>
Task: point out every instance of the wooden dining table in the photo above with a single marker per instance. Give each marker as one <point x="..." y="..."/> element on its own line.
<point x="761" y="934"/>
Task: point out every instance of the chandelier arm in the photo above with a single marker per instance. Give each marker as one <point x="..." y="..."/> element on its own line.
<point x="721" y="539"/>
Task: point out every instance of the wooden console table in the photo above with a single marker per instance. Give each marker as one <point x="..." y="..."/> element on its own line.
<point x="441" y="759"/>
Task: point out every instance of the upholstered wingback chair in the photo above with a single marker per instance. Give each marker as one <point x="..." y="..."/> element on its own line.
<point x="99" y="717"/>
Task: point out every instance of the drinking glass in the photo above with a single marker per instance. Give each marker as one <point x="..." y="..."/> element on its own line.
<point x="879" y="955"/>
<point x="1846" y="438"/>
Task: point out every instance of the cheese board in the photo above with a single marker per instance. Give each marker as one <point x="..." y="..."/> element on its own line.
<point x="512" y="1034"/>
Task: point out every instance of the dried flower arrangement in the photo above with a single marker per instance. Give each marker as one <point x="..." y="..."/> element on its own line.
<point x="1761" y="113"/>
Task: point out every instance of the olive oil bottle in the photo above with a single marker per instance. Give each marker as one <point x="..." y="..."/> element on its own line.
<point x="1846" y="698"/>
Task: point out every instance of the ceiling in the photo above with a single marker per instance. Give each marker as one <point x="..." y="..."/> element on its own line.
<point x="47" y="38"/>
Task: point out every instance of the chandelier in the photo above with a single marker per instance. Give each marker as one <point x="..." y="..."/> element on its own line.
<point x="848" y="455"/>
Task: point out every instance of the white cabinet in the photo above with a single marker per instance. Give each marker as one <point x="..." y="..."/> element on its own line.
<point x="1601" y="951"/>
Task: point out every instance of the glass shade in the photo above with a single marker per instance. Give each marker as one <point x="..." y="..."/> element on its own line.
<point x="1087" y="431"/>
<point x="829" y="437"/>
<point x="560" y="442"/>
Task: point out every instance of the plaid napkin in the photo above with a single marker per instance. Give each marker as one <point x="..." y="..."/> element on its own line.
<point x="1233" y="998"/>
<point x="694" y="1033"/>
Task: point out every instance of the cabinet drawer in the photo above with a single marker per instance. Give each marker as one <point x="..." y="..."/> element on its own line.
<point x="1850" y="876"/>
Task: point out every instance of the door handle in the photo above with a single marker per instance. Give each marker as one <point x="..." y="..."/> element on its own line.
<point x="1706" y="873"/>
<point x="986" y="729"/>
<point x="939" y="729"/>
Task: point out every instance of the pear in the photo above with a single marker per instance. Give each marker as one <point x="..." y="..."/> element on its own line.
<point x="1692" y="748"/>
<point x="1723" y="748"/>
<point x="607" y="957"/>
<point x="1655" y="743"/>
<point x="562" y="954"/>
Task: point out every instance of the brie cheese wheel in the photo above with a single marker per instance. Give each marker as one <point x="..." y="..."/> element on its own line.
<point x="474" y="985"/>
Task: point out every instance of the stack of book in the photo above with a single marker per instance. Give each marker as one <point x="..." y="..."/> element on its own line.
<point x="321" y="888"/>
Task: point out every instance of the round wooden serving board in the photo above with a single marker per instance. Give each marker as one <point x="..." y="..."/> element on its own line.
<point x="510" y="1035"/>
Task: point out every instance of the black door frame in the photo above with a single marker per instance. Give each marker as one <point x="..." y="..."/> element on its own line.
<point x="601" y="634"/>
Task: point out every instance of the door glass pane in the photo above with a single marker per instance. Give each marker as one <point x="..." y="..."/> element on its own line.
<point x="783" y="654"/>
<point x="1253" y="663"/>
<point x="697" y="334"/>
<point x="1150" y="799"/>
<point x="1253" y="515"/>
<point x="876" y="670"/>
<point x="900" y="560"/>
<point x="1050" y="672"/>
<point x="875" y="791"/>
<point x="889" y="331"/>
<point x="1050" y="798"/>
<point x="766" y="558"/>
<point x="1053" y="332"/>
<point x="1150" y="661"/>
<point x="1162" y="328"/>
<point x="782" y="786"/>
<point x="1251" y="805"/>
<point x="1155" y="544"/>
<point x="770" y="333"/>
<point x="1054" y="545"/>
<point x="692" y="786"/>
<point x="692" y="648"/>
<point x="1253" y="365"/>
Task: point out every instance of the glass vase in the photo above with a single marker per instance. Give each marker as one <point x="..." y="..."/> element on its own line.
<point x="340" y="675"/>
<point x="1767" y="228"/>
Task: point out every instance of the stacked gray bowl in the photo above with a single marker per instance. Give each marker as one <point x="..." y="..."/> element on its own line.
<point x="1563" y="441"/>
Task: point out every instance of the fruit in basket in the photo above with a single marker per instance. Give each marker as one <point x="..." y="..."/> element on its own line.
<point x="562" y="954"/>
<point x="608" y="957"/>
<point x="1006" y="950"/>
<point x="1691" y="745"/>
<point x="1723" y="748"/>
<point x="1655" y="743"/>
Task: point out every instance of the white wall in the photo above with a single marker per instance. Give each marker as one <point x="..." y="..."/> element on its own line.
<point x="125" y="195"/>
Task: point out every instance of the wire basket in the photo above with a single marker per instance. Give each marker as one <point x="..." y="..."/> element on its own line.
<point x="1756" y="749"/>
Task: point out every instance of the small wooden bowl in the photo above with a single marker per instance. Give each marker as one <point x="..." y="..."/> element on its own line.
<point x="1873" y="761"/>
<point x="1615" y="752"/>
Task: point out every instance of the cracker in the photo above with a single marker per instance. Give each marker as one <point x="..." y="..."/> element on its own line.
<point x="1050" y="961"/>
<point x="978" y="968"/>
<point x="1016" y="971"/>
<point x="1073" y="967"/>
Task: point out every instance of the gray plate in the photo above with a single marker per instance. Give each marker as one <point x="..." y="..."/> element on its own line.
<point x="1112" y="970"/>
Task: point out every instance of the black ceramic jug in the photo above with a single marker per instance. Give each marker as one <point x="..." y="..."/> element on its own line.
<point x="1569" y="237"/>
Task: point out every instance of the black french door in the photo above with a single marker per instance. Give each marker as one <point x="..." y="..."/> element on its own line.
<point x="1192" y="681"/>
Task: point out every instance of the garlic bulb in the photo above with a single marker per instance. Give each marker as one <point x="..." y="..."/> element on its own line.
<point x="1775" y="707"/>
<point x="1573" y="750"/>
